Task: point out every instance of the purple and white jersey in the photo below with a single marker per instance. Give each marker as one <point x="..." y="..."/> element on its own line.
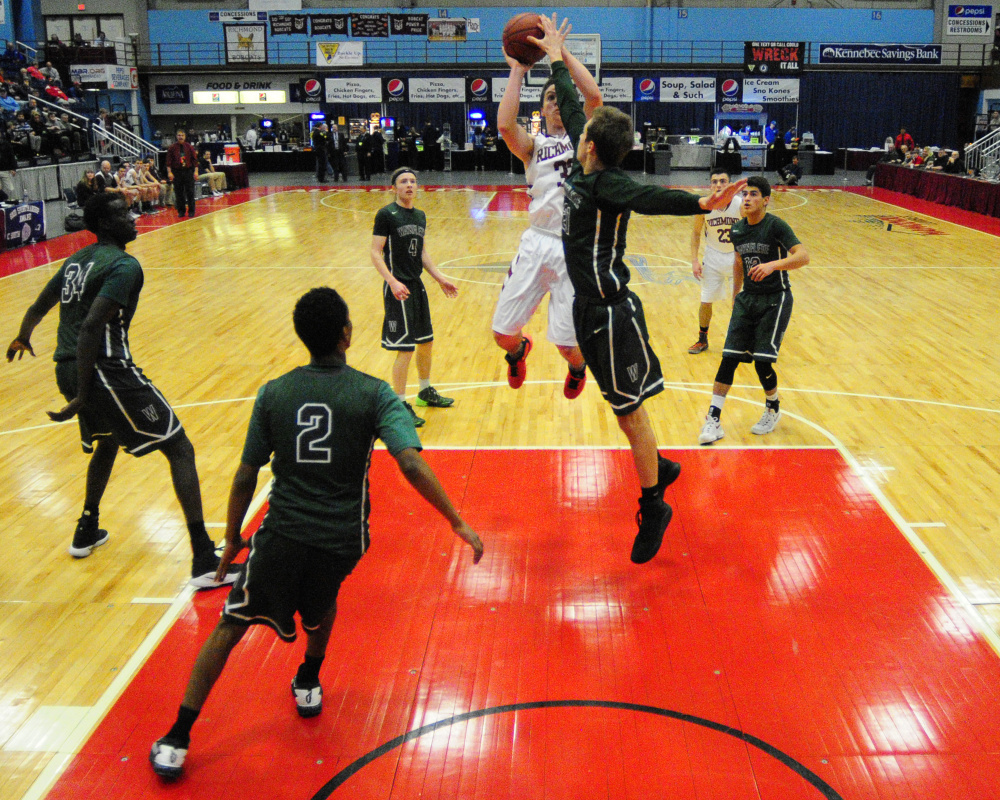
<point x="549" y="166"/>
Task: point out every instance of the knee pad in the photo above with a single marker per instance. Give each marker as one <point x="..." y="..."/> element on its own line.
<point x="727" y="370"/>
<point x="768" y="377"/>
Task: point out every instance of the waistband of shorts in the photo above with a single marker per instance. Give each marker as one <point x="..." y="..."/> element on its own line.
<point x="610" y="300"/>
<point x="546" y="232"/>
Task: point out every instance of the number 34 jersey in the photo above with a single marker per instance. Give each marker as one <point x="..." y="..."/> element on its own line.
<point x="719" y="224"/>
<point x="403" y="229"/>
<point x="320" y="423"/>
<point x="548" y="168"/>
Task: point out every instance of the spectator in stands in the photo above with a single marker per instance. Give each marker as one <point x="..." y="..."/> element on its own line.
<point x="56" y="94"/>
<point x="8" y="162"/>
<point x="38" y="131"/>
<point x="75" y="133"/>
<point x="215" y="180"/>
<point x="916" y="157"/>
<point x="78" y="40"/>
<point x="86" y="187"/>
<point x="56" y="135"/>
<point x="75" y="92"/>
<point x="904" y="139"/>
<point x="51" y="74"/>
<point x="955" y="164"/>
<point x="12" y="62"/>
<point x="939" y="160"/>
<point x="20" y="136"/>
<point x="790" y="174"/>
<point x="101" y="40"/>
<point x="166" y="188"/>
<point x="18" y="91"/>
<point x="31" y="72"/>
<point x="8" y="105"/>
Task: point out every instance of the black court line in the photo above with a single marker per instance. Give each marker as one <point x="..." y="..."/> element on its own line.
<point x="825" y="790"/>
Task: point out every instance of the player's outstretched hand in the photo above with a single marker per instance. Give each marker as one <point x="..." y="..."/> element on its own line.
<point x="67" y="412"/>
<point x="471" y="538"/>
<point x="449" y="289"/>
<point x="721" y="198"/>
<point x="555" y="37"/>
<point x="18" y="348"/>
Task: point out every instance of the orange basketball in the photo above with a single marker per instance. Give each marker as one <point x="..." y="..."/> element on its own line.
<point x="515" y="38"/>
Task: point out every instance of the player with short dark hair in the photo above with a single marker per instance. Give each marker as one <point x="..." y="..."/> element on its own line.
<point x="97" y="289"/>
<point x="319" y="423"/>
<point x="717" y="268"/>
<point x="609" y="320"/>
<point x="766" y="248"/>
<point x="400" y="256"/>
<point x="540" y="264"/>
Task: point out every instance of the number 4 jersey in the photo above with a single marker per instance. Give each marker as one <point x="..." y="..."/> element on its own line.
<point x="403" y="229"/>
<point x="320" y="423"/>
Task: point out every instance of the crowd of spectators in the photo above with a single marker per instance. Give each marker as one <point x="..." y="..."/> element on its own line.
<point x="906" y="153"/>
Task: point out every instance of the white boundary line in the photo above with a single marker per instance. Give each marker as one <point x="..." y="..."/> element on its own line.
<point x="61" y="759"/>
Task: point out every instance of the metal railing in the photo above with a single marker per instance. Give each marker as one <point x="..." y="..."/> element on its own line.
<point x="983" y="156"/>
<point x="420" y="51"/>
<point x="130" y="145"/>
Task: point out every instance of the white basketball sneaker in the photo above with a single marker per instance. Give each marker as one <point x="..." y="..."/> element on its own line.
<point x="767" y="422"/>
<point x="711" y="431"/>
<point x="167" y="758"/>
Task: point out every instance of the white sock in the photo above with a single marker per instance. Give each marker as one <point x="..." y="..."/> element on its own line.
<point x="424" y="384"/>
<point x="718" y="400"/>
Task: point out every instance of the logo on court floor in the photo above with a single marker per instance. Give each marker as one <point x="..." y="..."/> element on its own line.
<point x="892" y="223"/>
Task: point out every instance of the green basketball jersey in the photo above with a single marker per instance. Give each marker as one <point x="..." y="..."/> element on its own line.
<point x="320" y="424"/>
<point x="598" y="206"/>
<point x="99" y="270"/>
<point x="768" y="240"/>
<point x="404" y="244"/>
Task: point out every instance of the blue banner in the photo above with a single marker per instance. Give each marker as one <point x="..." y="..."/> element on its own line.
<point x="23" y="223"/>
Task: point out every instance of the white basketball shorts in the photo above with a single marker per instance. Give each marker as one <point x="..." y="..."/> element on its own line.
<point x="716" y="276"/>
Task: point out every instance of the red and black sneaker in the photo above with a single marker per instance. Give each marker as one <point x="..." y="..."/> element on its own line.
<point x="573" y="387"/>
<point x="516" y="368"/>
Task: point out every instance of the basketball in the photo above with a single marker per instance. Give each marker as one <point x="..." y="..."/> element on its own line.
<point x="515" y="38"/>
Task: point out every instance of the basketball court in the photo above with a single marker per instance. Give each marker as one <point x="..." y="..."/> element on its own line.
<point x="821" y="621"/>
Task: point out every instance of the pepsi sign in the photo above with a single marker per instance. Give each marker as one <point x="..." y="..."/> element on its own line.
<point x="647" y="89"/>
<point x="477" y="90"/>
<point x="730" y="91"/>
<point x="393" y="90"/>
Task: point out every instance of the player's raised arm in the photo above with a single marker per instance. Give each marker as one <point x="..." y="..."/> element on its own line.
<point x="584" y="82"/>
<point x="552" y="43"/>
<point x="518" y="140"/>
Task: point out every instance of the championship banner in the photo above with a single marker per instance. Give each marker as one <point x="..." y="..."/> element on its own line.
<point x="446" y="30"/>
<point x="393" y="90"/>
<point x="328" y="24"/>
<point x="770" y="90"/>
<point x="24" y="223"/>
<point x="477" y="90"/>
<point x="617" y="90"/>
<point x="353" y="90"/>
<point x="370" y="25"/>
<point x="408" y="24"/>
<point x="765" y="58"/>
<point x="287" y="24"/>
<point x="969" y="21"/>
<point x="687" y="90"/>
<point x="245" y="44"/>
<point x="897" y="54"/>
<point x="340" y="54"/>
<point x="437" y="90"/>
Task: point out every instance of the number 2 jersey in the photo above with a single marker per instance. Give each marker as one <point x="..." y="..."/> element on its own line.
<point x="551" y="159"/>
<point x="99" y="270"/>
<point x="320" y="423"/>
<point x="403" y="229"/>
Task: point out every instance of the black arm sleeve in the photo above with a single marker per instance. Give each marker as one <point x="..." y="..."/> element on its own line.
<point x="570" y="110"/>
<point x="617" y="187"/>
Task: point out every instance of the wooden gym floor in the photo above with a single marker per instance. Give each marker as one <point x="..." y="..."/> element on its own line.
<point x="822" y="621"/>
